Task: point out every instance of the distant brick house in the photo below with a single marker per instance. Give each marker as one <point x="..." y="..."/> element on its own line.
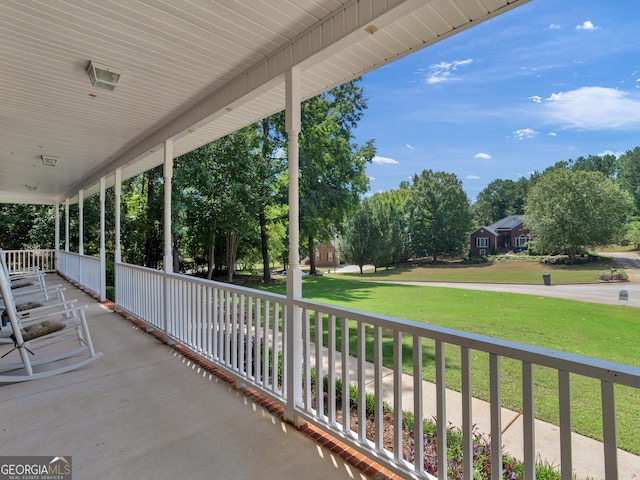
<point x="327" y="256"/>
<point x="508" y="234"/>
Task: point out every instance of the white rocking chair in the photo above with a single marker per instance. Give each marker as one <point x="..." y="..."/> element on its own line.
<point x="48" y="342"/>
<point x="29" y="292"/>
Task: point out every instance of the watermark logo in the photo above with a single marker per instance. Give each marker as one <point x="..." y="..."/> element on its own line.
<point x="35" y="468"/>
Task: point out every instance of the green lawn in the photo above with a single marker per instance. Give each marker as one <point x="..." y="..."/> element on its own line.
<point x="500" y="272"/>
<point x="594" y="330"/>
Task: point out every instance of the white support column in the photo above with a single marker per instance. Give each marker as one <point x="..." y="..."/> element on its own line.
<point x="168" y="240"/>
<point x="293" y="333"/>
<point x="103" y="260"/>
<point x="78" y="274"/>
<point x="56" y="222"/>
<point x="117" y="189"/>
<point x="56" y="235"/>
<point x="66" y="225"/>
<point x="168" y="176"/>
<point x="81" y="222"/>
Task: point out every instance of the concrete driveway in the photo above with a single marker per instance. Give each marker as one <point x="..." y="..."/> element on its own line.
<point x="607" y="293"/>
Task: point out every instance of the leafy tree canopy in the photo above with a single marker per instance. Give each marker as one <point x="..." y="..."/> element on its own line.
<point x="567" y="210"/>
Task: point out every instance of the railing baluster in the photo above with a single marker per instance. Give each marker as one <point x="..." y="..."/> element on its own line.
<point x="528" y="422"/>
<point x="306" y="355"/>
<point x="209" y="323"/>
<point x="331" y="393"/>
<point x="441" y="408"/>
<point x="397" y="394"/>
<point x="467" y="415"/>
<point x="418" y="414"/>
<point x="250" y="340"/>
<point x="564" y="392"/>
<point x="319" y="346"/>
<point x="346" y="381"/>
<point x="265" y="347"/>
<point x="377" y="375"/>
<point x="609" y="431"/>
<point x="275" y="335"/>
<point x="362" y="393"/>
<point x="234" y="331"/>
<point x="496" y="416"/>
<point x="242" y="364"/>
<point x="258" y="340"/>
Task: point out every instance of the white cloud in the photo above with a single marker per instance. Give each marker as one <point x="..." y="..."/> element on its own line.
<point x="472" y="177"/>
<point x="372" y="179"/>
<point x="482" y="155"/>
<point x="609" y="152"/>
<point x="410" y="147"/>
<point x="552" y="134"/>
<point x="554" y="26"/>
<point x="536" y="98"/>
<point x="443" y="71"/>
<point x="593" y="108"/>
<point x="587" y="25"/>
<point x="525" y="133"/>
<point x="384" y="161"/>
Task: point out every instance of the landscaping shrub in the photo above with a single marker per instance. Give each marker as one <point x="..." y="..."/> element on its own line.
<point x="512" y="468"/>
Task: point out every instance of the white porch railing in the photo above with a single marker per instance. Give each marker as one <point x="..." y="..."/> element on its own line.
<point x="80" y="269"/>
<point x="243" y="332"/>
<point x="22" y="259"/>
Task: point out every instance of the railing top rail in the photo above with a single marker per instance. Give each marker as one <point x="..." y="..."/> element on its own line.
<point x="208" y="283"/>
<point x="31" y="250"/>
<point x="73" y="254"/>
<point x="592" y="367"/>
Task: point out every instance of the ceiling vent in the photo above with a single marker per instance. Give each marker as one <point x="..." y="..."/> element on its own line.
<point x="49" y="160"/>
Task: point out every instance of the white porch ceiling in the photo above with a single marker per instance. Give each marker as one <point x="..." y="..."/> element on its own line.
<point x="194" y="71"/>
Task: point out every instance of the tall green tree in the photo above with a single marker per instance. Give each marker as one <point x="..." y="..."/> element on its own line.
<point x="26" y="226"/>
<point x="270" y="170"/>
<point x="439" y="214"/>
<point x="629" y="174"/>
<point x="499" y="199"/>
<point x="567" y="210"/>
<point x="362" y="237"/>
<point x="332" y="167"/>
<point x="605" y="164"/>
<point x="388" y="211"/>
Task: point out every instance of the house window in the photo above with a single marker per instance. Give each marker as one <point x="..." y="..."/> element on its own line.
<point x="483" y="252"/>
<point x="317" y="256"/>
<point x="330" y="256"/>
<point x="482" y="242"/>
<point x="521" y="241"/>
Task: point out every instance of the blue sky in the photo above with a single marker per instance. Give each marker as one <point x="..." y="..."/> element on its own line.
<point x="548" y="81"/>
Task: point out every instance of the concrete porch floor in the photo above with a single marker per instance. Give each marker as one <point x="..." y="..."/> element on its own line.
<point x="145" y="411"/>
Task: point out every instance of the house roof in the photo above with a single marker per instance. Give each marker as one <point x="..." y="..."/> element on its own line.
<point x="193" y="71"/>
<point x="506" y="224"/>
<point x="503" y="225"/>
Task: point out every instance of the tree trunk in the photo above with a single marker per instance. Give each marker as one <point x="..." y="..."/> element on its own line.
<point x="175" y="254"/>
<point x="361" y="272"/>
<point x="312" y="256"/>
<point x="264" y="240"/>
<point x="233" y="241"/>
<point x="210" y="260"/>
